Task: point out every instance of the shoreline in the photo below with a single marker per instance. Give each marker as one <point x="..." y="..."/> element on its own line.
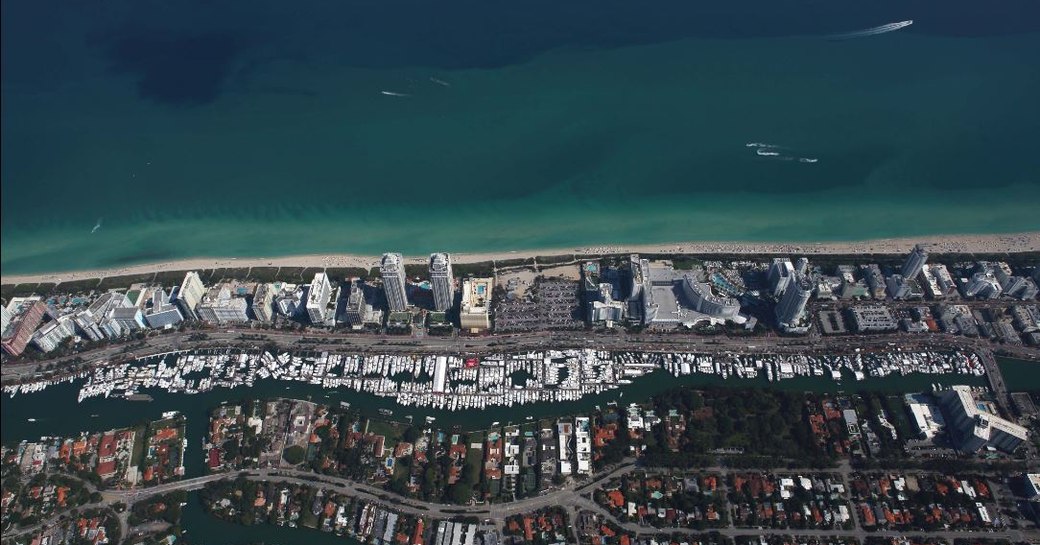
<point x="997" y="243"/>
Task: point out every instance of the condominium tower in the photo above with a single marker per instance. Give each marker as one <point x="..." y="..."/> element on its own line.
<point x="441" y="282"/>
<point x="318" y="298"/>
<point x="914" y="262"/>
<point x="391" y="267"/>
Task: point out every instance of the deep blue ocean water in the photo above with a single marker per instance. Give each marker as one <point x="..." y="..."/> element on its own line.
<point x="262" y="128"/>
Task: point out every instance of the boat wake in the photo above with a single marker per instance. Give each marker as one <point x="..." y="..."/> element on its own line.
<point x="440" y="82"/>
<point x="96" y="226"/>
<point x="393" y="94"/>
<point x="890" y="27"/>
<point x="779" y="153"/>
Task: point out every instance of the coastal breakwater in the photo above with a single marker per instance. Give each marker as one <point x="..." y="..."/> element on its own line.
<point x="456" y="383"/>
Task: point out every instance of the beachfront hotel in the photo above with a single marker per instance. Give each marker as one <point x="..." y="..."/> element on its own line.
<point x="475" y="314"/>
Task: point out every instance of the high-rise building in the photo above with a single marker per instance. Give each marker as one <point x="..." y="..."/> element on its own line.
<point x="263" y="302"/>
<point x="391" y="268"/>
<point x="442" y="282"/>
<point x="5" y="319"/>
<point x="318" y="299"/>
<point x="190" y="293"/>
<point x="973" y="429"/>
<point x="791" y="308"/>
<point x="96" y="321"/>
<point x="162" y="313"/>
<point x="780" y="274"/>
<point x="983" y="285"/>
<point x="603" y="308"/>
<point x="705" y="301"/>
<point x="356" y="306"/>
<point x="128" y="318"/>
<point x="51" y="336"/>
<point x="475" y="314"/>
<point x="220" y="307"/>
<point x="801" y="266"/>
<point x="640" y="306"/>
<point x="914" y="262"/>
<point x="20" y="330"/>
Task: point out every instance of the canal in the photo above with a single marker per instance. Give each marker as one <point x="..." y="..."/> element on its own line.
<point x="56" y="412"/>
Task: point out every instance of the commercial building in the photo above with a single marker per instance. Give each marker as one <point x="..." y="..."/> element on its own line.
<point x="972" y="428"/>
<point x="1032" y="486"/>
<point x="790" y="311"/>
<point x="20" y="331"/>
<point x="603" y="308"/>
<point x="129" y="318"/>
<point x="875" y="280"/>
<point x="263" y="302"/>
<point x="162" y="312"/>
<point x="318" y="297"/>
<point x="901" y="288"/>
<point x="96" y="321"/>
<point x="219" y="306"/>
<point x="391" y="268"/>
<point x="851" y="288"/>
<point x="5" y="319"/>
<point x="475" y="314"/>
<point x="289" y="301"/>
<point x="564" y="432"/>
<point x="190" y="294"/>
<point x="872" y="318"/>
<point x="640" y="307"/>
<point x="944" y="282"/>
<point x="583" y="445"/>
<point x="1026" y="318"/>
<point x="51" y="336"/>
<point x="914" y="262"/>
<point x="983" y="285"/>
<point x="781" y="272"/>
<point x="1019" y="287"/>
<point x="705" y="301"/>
<point x="928" y="418"/>
<point x="441" y="282"/>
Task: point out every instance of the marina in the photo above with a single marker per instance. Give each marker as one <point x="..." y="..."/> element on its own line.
<point x="455" y="383"/>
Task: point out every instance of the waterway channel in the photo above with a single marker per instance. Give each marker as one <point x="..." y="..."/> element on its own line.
<point x="56" y="412"/>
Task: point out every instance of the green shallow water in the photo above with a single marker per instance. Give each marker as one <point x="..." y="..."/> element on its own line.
<point x="914" y="136"/>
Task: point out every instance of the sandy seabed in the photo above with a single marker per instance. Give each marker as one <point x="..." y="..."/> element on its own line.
<point x="1002" y="243"/>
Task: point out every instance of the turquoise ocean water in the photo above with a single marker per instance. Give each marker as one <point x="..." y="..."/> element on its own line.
<point x="215" y="131"/>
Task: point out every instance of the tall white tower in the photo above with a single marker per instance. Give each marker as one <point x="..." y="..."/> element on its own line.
<point x="392" y="270"/>
<point x="442" y="282"/>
